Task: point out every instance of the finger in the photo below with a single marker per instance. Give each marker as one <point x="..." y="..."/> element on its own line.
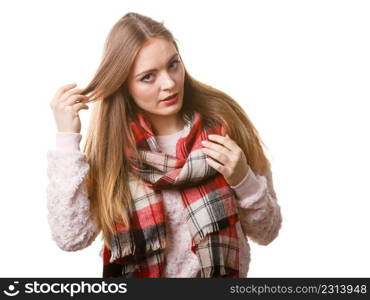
<point x="78" y="106"/>
<point x="216" y="147"/>
<point x="76" y="99"/>
<point x="215" y="165"/>
<point x="223" y="130"/>
<point x="227" y="142"/>
<point x="69" y="93"/>
<point x="63" y="89"/>
<point x="231" y="140"/>
<point x="84" y="107"/>
<point x="220" y="157"/>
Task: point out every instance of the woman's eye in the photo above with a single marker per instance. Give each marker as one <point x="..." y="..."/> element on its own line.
<point x="146" y="76"/>
<point x="176" y="61"/>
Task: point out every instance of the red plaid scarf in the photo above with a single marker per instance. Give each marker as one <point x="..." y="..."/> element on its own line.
<point x="209" y="212"/>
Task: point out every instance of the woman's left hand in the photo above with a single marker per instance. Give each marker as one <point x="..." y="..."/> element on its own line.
<point x="227" y="158"/>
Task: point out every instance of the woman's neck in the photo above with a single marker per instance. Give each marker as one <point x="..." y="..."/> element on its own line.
<point x="166" y="125"/>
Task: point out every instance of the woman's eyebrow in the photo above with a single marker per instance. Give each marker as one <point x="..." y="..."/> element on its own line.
<point x="137" y="75"/>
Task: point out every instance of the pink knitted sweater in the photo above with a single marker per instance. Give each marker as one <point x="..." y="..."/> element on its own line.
<point x="73" y="229"/>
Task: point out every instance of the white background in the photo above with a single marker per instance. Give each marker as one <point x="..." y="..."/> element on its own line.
<point x="300" y="69"/>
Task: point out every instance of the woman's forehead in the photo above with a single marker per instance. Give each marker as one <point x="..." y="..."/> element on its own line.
<point x="153" y="55"/>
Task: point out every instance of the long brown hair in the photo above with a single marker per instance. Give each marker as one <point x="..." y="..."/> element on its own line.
<point x="113" y="108"/>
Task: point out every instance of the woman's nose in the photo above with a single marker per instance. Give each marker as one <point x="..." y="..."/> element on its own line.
<point x="167" y="81"/>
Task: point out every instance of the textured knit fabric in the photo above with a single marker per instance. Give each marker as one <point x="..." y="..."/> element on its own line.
<point x="72" y="228"/>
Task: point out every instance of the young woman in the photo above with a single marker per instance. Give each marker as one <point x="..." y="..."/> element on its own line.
<point x="173" y="172"/>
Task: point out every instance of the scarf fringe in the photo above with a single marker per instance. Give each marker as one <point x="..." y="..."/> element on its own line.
<point x="127" y="249"/>
<point x="209" y="271"/>
<point x="202" y="234"/>
<point x="224" y="272"/>
<point x="129" y="269"/>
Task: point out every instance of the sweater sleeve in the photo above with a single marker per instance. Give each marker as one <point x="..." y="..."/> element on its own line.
<point x="258" y="208"/>
<point x="72" y="227"/>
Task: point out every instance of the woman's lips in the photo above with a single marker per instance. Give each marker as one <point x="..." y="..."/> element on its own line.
<point x="174" y="95"/>
<point x="171" y="101"/>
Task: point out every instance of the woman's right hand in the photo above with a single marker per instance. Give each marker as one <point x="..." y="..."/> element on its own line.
<point x="65" y="105"/>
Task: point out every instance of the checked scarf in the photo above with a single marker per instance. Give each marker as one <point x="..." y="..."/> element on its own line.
<point x="210" y="212"/>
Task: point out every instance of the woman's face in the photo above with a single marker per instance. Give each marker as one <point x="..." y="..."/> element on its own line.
<point x="157" y="73"/>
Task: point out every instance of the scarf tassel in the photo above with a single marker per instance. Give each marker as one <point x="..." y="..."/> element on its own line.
<point x="223" y="272"/>
<point x="125" y="249"/>
<point x="202" y="233"/>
